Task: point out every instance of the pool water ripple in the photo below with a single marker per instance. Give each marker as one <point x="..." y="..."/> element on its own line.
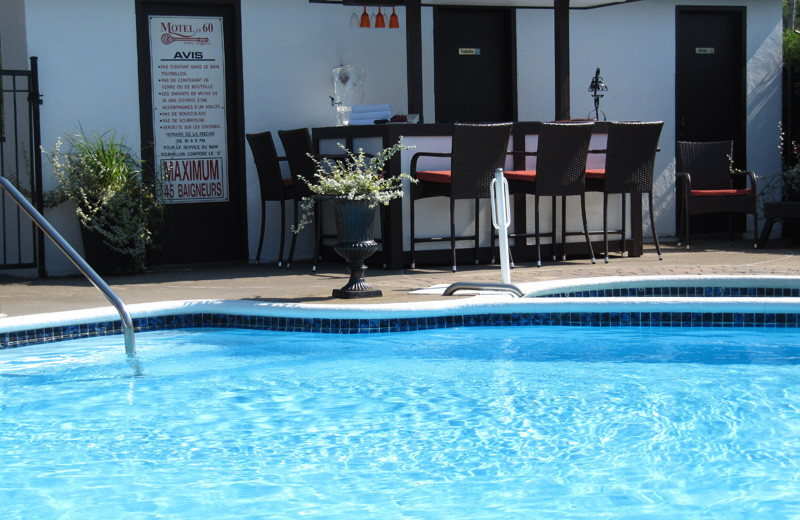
<point x="482" y="423"/>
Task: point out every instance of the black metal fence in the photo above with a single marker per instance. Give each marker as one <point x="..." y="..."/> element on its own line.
<point x="21" y="243"/>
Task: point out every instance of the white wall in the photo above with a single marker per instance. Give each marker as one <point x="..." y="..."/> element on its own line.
<point x="88" y="78"/>
<point x="12" y="35"/>
<point x="88" y="74"/>
<point x="290" y="49"/>
<point x="634" y="46"/>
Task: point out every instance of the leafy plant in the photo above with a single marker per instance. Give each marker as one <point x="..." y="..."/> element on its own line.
<point x="356" y="176"/>
<point x="102" y="177"/>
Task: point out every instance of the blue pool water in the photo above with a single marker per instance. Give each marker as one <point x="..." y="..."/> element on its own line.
<point x="498" y="422"/>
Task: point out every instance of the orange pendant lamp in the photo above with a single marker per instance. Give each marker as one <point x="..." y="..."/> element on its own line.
<point x="379" y="22"/>
<point x="394" y="23"/>
<point x="365" y="19"/>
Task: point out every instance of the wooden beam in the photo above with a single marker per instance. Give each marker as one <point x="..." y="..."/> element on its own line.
<point x="414" y="57"/>
<point x="561" y="17"/>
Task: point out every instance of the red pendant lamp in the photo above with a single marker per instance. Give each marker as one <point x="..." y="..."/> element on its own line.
<point x="379" y="22"/>
<point x="394" y="23"/>
<point x="365" y="19"/>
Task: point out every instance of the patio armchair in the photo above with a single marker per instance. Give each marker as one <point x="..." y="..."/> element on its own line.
<point x="560" y="172"/>
<point x="705" y="184"/>
<point x="297" y="145"/>
<point x="274" y="187"/>
<point x="477" y="151"/>
<point x="630" y="158"/>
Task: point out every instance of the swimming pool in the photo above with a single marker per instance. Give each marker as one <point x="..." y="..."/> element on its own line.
<point x="481" y="422"/>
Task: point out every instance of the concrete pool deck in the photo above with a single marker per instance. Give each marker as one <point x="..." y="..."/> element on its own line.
<point x="267" y="282"/>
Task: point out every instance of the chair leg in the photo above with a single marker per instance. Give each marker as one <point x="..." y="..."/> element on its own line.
<point x="453" y="231"/>
<point x="384" y="234"/>
<point x="536" y="231"/>
<point x="317" y="234"/>
<point x="477" y="229"/>
<point x="261" y="236"/>
<point x="586" y="227"/>
<point x="492" y="235"/>
<point x="411" y="230"/>
<point x="605" y="224"/>
<point x="563" y="227"/>
<point x="294" y="235"/>
<point x="686" y="222"/>
<point x="653" y="225"/>
<point x="553" y="231"/>
<point x="283" y="232"/>
<point x="755" y="229"/>
<point x="624" y="211"/>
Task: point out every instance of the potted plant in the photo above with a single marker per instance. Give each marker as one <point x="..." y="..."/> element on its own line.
<point x="355" y="185"/>
<point x="115" y="205"/>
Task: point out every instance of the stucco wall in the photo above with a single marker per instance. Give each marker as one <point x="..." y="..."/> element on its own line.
<point x="88" y="71"/>
<point x="12" y="34"/>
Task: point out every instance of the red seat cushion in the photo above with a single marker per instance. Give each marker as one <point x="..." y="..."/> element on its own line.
<point x="521" y="175"/>
<point x="599" y="173"/>
<point x="721" y="193"/>
<point x="442" y="177"/>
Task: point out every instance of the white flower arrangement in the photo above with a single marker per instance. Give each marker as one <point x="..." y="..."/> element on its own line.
<point x="356" y="176"/>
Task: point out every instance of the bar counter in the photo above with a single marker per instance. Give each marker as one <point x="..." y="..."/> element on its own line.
<point x="436" y="138"/>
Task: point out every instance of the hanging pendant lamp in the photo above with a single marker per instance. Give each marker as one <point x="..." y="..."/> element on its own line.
<point x="364" y="19"/>
<point x="394" y="23"/>
<point x="379" y="22"/>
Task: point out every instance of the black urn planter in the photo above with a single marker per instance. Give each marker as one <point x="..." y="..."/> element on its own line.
<point x="104" y="260"/>
<point x="354" y="228"/>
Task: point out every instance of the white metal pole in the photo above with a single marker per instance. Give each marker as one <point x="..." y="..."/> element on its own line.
<point x="501" y="219"/>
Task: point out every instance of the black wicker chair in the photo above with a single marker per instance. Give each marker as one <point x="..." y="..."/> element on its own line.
<point x="705" y="184"/>
<point x="297" y="145"/>
<point x="560" y="171"/>
<point x="630" y="158"/>
<point x="274" y="187"/>
<point x="477" y="151"/>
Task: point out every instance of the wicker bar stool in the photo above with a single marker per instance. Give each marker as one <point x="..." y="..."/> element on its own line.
<point x="560" y="172"/>
<point x="705" y="184"/>
<point x="477" y="151"/>
<point x="630" y="158"/>
<point x="274" y="187"/>
<point x="297" y="145"/>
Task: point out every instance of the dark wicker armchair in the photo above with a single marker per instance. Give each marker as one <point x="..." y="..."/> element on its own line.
<point x="705" y="184"/>
<point x="477" y="151"/>
<point x="274" y="187"/>
<point x="630" y="158"/>
<point x="560" y="171"/>
<point x="297" y="145"/>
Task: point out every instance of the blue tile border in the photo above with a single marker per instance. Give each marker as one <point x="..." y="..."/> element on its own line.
<point x="384" y="325"/>
<point x="680" y="292"/>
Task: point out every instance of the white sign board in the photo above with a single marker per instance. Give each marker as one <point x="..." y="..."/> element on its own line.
<point x="189" y="119"/>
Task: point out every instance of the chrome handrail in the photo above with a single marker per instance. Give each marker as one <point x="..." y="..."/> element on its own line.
<point x="80" y="263"/>
<point x="483" y="286"/>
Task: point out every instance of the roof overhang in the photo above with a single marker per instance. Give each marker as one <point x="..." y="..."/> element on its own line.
<point x="523" y="4"/>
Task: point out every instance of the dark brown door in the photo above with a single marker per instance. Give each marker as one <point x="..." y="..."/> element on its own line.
<point x="710" y="85"/>
<point x="199" y="136"/>
<point x="474" y="56"/>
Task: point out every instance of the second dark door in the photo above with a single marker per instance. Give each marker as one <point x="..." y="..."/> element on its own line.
<point x="709" y="88"/>
<point x="474" y="57"/>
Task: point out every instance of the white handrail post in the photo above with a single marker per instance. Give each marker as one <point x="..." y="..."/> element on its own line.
<point x="501" y="219"/>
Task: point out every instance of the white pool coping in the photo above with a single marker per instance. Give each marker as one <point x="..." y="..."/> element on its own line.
<point x="483" y="303"/>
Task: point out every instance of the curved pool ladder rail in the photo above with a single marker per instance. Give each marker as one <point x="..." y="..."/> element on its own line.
<point x="470" y="286"/>
<point x="80" y="263"/>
